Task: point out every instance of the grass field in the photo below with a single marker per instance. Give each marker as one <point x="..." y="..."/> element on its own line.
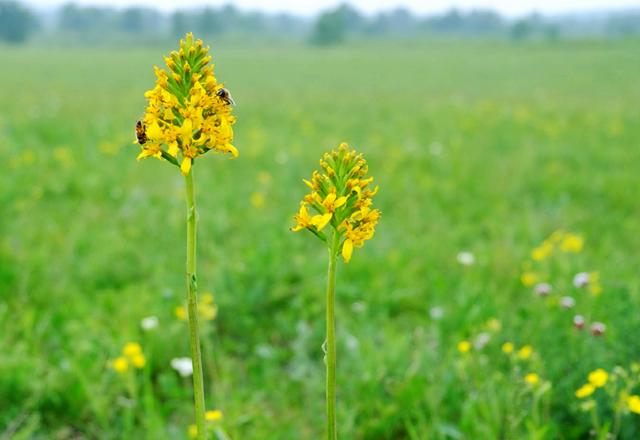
<point x="486" y="147"/>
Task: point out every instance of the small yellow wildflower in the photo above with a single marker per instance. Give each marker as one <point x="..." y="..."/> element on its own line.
<point x="341" y="197"/>
<point x="120" y="364"/>
<point x="543" y="251"/>
<point x="494" y="325"/>
<point x="571" y="243"/>
<point x="207" y="298"/>
<point x="257" y="200"/>
<point x="131" y="349"/>
<point x="208" y="312"/>
<point x="532" y="379"/>
<point x="188" y="111"/>
<point x="507" y="347"/>
<point x="633" y="402"/>
<point x="525" y="352"/>
<point x="529" y="279"/>
<point x="598" y="378"/>
<point x="138" y="360"/>
<point x="192" y="431"/>
<point x="213" y="415"/>
<point x="585" y="390"/>
<point x="181" y="313"/>
<point x="464" y="346"/>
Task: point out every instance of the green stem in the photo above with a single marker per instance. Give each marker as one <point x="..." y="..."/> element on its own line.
<point x="198" y="385"/>
<point x="330" y="359"/>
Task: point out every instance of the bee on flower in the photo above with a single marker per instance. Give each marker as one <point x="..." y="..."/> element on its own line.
<point x="188" y="111"/>
<point x="341" y="198"/>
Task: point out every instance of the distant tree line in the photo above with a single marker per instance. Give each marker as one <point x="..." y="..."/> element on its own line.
<point x="93" y="24"/>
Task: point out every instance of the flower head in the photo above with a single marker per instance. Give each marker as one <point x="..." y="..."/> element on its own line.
<point x="340" y="198"/>
<point x="633" y="402"/>
<point x="585" y="390"/>
<point x="532" y="379"/>
<point x="598" y="378"/>
<point x="525" y="352"/>
<point x="464" y="346"/>
<point x="188" y="111"/>
<point x="120" y="364"/>
<point x="507" y="347"/>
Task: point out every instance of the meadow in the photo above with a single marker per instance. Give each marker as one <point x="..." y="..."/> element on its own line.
<point x="483" y="147"/>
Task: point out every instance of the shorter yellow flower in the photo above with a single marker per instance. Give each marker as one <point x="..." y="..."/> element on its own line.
<point x="192" y="432"/>
<point x="571" y="243"/>
<point x="598" y="378"/>
<point x="529" y="279"/>
<point x="207" y="298"/>
<point x="138" y="360"/>
<point x="181" y="314"/>
<point x="464" y="346"/>
<point x="131" y="349"/>
<point x="585" y="390"/>
<point x="213" y="415"/>
<point x="120" y="364"/>
<point x="525" y="352"/>
<point x="633" y="402"/>
<point x="532" y="379"/>
<point x="507" y="347"/>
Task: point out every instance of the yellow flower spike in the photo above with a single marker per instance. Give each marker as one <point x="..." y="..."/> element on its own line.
<point x="333" y="203"/>
<point x="186" y="101"/>
<point x="120" y="364"/>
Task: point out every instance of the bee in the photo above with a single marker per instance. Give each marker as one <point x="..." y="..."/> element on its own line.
<point x="141" y="133"/>
<point x="225" y="96"/>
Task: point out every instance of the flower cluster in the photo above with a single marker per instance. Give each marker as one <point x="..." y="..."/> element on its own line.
<point x="340" y="196"/>
<point x="131" y="356"/>
<point x="188" y="111"/>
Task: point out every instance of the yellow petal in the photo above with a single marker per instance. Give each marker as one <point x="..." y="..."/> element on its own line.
<point x="154" y="132"/>
<point x="173" y="148"/>
<point x="185" y="167"/>
<point x="340" y="201"/>
<point x="233" y="150"/>
<point x="347" y="250"/>
<point x="320" y="221"/>
<point x="330" y="198"/>
<point x="186" y="131"/>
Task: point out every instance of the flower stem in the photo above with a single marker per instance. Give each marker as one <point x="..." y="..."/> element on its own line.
<point x="196" y="357"/>
<point x="330" y="359"/>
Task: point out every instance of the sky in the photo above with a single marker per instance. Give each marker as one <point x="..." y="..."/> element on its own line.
<point x="310" y="7"/>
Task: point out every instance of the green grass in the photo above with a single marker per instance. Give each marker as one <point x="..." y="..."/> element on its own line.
<point x="480" y="146"/>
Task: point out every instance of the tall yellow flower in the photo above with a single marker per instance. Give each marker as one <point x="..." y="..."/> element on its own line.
<point x="340" y="197"/>
<point x="188" y="111"/>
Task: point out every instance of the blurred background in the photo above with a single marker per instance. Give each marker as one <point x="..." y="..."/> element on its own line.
<point x="503" y="136"/>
